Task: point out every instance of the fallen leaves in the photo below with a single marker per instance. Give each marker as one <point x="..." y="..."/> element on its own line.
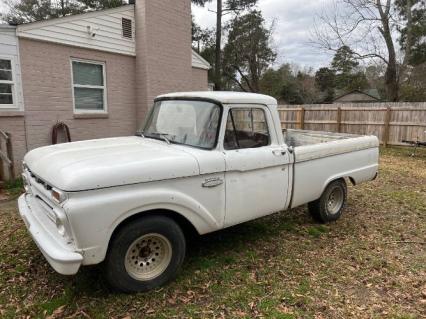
<point x="262" y="269"/>
<point x="57" y="313"/>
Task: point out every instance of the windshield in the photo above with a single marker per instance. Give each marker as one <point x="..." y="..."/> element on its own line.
<point x="193" y="123"/>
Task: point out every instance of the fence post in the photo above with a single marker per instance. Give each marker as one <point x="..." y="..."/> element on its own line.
<point x="339" y="119"/>
<point x="386" y="130"/>
<point x="9" y="153"/>
<point x="301" y="118"/>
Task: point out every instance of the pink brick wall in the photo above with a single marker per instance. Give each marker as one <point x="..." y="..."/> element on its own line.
<point x="163" y="49"/>
<point x="199" y="80"/>
<point x="15" y="125"/>
<point x="47" y="87"/>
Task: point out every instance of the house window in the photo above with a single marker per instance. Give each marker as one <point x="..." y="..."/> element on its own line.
<point x="126" y="25"/>
<point x="6" y="83"/>
<point x="89" y="86"/>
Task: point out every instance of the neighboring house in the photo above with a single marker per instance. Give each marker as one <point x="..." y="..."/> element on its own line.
<point x="357" y="96"/>
<point x="98" y="72"/>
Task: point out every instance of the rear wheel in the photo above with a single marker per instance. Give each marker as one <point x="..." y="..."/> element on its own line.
<point x="145" y="254"/>
<point x="329" y="206"/>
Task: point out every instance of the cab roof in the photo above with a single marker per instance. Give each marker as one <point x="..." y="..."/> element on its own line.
<point x="225" y="97"/>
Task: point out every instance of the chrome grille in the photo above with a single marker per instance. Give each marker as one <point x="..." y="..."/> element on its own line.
<point x="39" y="181"/>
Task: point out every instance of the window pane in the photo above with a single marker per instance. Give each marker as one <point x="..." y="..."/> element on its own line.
<point x="6" y="99"/>
<point x="5" y="64"/>
<point x="246" y="128"/>
<point x="5" y="88"/>
<point x="87" y="73"/>
<point x="6" y="75"/>
<point x="89" y="99"/>
<point x="250" y="120"/>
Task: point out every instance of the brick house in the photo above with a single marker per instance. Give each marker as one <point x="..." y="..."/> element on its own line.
<point x="97" y="72"/>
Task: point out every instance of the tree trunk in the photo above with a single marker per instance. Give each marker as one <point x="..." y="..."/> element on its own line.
<point x="408" y="41"/>
<point x="391" y="74"/>
<point x="63" y="8"/>
<point x="218" y="52"/>
<point x="391" y="81"/>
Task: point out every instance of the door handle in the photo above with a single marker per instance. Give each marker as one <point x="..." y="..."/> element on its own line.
<point x="212" y="182"/>
<point x="279" y="152"/>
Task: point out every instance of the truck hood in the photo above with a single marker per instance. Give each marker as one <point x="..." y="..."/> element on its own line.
<point x="109" y="162"/>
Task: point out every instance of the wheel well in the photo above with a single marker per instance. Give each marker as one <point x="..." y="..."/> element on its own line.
<point x="333" y="180"/>
<point x="187" y="228"/>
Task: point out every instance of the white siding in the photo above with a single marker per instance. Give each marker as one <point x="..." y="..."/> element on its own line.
<point x="198" y="61"/>
<point x="106" y="24"/>
<point x="9" y="49"/>
<point x="74" y="30"/>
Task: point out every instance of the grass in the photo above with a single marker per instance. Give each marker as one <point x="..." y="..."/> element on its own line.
<point x="369" y="264"/>
<point x="12" y="188"/>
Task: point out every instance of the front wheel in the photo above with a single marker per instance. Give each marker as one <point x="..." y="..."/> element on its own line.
<point x="329" y="206"/>
<point x="145" y="254"/>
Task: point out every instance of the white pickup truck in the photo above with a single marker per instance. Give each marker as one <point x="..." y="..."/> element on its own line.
<point x="203" y="161"/>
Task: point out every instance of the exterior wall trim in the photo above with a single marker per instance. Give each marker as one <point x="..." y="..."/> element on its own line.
<point x="37" y="24"/>
<point x="9" y="49"/>
<point x="100" y="30"/>
<point x="7" y="113"/>
<point x="14" y="83"/>
<point x="54" y="41"/>
<point x="203" y="64"/>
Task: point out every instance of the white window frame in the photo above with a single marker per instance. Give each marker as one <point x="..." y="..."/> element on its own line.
<point x="14" y="105"/>
<point x="103" y="87"/>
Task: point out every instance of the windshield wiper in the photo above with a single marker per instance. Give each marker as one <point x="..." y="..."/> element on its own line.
<point x="140" y="133"/>
<point x="161" y="135"/>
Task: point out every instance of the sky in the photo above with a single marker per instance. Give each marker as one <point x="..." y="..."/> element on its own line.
<point x="293" y="23"/>
<point x="292" y="32"/>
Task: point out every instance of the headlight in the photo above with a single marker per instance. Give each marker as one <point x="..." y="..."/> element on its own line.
<point x="58" y="196"/>
<point x="61" y="222"/>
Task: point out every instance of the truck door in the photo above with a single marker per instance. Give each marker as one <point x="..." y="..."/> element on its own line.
<point x="256" y="172"/>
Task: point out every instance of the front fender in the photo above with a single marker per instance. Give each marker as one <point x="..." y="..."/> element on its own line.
<point x="96" y="214"/>
<point x="186" y="206"/>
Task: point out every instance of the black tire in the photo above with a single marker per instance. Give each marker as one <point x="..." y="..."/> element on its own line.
<point x="115" y="263"/>
<point x="320" y="210"/>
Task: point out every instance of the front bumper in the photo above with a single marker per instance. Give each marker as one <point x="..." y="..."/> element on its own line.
<point x="60" y="254"/>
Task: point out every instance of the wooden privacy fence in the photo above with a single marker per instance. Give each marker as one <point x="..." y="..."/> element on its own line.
<point x="6" y="156"/>
<point x="390" y="122"/>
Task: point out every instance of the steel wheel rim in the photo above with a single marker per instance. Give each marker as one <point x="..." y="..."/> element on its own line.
<point x="148" y="257"/>
<point x="335" y="201"/>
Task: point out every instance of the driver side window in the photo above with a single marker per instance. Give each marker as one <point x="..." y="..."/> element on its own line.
<point x="246" y="128"/>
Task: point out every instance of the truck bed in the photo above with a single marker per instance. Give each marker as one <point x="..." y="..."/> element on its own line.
<point x="295" y="138"/>
<point x="310" y="145"/>
<point x="320" y="157"/>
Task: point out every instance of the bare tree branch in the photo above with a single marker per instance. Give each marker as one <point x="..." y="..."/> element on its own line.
<point x="244" y="77"/>
<point x="367" y="27"/>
